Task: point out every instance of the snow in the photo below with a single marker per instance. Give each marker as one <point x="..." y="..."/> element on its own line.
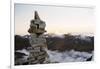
<point x="60" y="57"/>
<point x="68" y="56"/>
<point x="23" y="51"/>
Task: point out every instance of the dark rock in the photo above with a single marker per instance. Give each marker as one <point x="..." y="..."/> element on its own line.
<point x="21" y="43"/>
<point x="89" y="59"/>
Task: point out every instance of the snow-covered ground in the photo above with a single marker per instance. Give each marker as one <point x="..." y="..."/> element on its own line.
<point x="68" y="56"/>
<point x="61" y="57"/>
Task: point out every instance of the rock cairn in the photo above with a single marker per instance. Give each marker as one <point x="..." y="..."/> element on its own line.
<point x="38" y="53"/>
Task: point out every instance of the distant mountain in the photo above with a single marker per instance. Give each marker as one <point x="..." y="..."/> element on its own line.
<point x="21" y="42"/>
<point x="69" y="42"/>
<point x="61" y="42"/>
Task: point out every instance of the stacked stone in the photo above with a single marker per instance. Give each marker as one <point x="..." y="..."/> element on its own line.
<point x="38" y="53"/>
<point x="37" y="56"/>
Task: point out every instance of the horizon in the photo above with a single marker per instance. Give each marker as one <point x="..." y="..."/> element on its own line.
<point x="74" y="34"/>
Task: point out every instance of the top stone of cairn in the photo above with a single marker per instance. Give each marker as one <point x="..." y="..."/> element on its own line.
<point x="37" y="25"/>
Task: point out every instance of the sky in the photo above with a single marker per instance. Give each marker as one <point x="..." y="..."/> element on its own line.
<point x="59" y="20"/>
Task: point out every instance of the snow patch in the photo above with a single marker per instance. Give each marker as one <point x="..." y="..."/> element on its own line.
<point x="23" y="51"/>
<point x="68" y="56"/>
